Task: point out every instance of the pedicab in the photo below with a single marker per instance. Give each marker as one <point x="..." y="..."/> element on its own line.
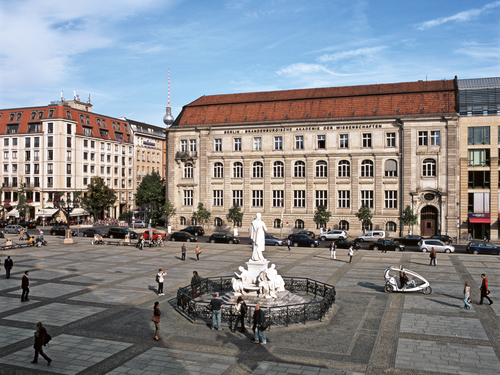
<point x="394" y="281"/>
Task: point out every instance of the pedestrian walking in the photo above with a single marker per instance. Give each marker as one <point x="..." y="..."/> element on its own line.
<point x="156" y="319"/>
<point x="183" y="251"/>
<point x="8" y="265"/>
<point x="333" y="248"/>
<point x="25" y="284"/>
<point x="241" y="310"/>
<point x="433" y="256"/>
<point x="484" y="290"/>
<point x="195" y="284"/>
<point x="350" y="252"/>
<point x="198" y="252"/>
<point x="384" y="244"/>
<point x="288" y="243"/>
<point x="467" y="295"/>
<point x="215" y="305"/>
<point x="258" y="319"/>
<point x="41" y="338"/>
<point x="159" y="280"/>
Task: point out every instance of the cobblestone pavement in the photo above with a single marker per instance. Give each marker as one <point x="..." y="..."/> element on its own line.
<point x="96" y="302"/>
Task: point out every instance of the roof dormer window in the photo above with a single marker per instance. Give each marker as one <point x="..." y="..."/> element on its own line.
<point x="51" y="113"/>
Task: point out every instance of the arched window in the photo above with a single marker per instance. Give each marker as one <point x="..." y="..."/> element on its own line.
<point x="299" y="224"/>
<point x="367" y="168"/>
<point x="193" y="221"/>
<point x="258" y="170"/>
<point x="299" y="169"/>
<point x="277" y="223"/>
<point x="429" y="168"/>
<point x="278" y="169"/>
<point x="188" y="170"/>
<point x="391" y="168"/>
<point x="183" y="220"/>
<point x="391" y="226"/>
<point x="344" y="168"/>
<point x="321" y="169"/>
<point x="344" y="225"/>
<point x="218" y="222"/>
<point x="238" y="170"/>
<point x="218" y="170"/>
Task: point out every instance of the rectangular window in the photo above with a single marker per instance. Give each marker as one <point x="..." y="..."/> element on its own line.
<point x="479" y="135"/>
<point x="34" y="128"/>
<point x="367" y="198"/>
<point x="321" y="198"/>
<point x="184" y="145"/>
<point x="6" y="154"/>
<point x="50" y="155"/>
<point x="321" y="141"/>
<point x="435" y="138"/>
<point x="27" y="168"/>
<point x="36" y="142"/>
<point x="192" y="145"/>
<point x="87" y="131"/>
<point x="257" y="143"/>
<point x="299" y="142"/>
<point x="391" y="199"/>
<point x="27" y="142"/>
<point x="68" y="128"/>
<point x="68" y="182"/>
<point x="422" y="138"/>
<point x="12" y="129"/>
<point x="68" y="142"/>
<point x="237" y="144"/>
<point x="68" y="168"/>
<point x="85" y="168"/>
<point x="299" y="198"/>
<point x="14" y="167"/>
<point x="92" y="169"/>
<point x="478" y="157"/>
<point x="344" y="140"/>
<point x="50" y="141"/>
<point x="188" y="197"/>
<point x="68" y="156"/>
<point x="50" y="168"/>
<point x="68" y="116"/>
<point x="479" y="180"/>
<point x="278" y="143"/>
<point x="344" y="199"/>
<point x="27" y="156"/>
<point x="102" y="158"/>
<point x="6" y="141"/>
<point x="85" y="181"/>
<point x="14" y="184"/>
<point x="36" y="155"/>
<point x="257" y="198"/>
<point x="50" y="182"/>
<point x="367" y="140"/>
<point x="50" y="128"/>
<point x="218" y="145"/>
<point x="85" y="156"/>
<point x="92" y="144"/>
<point x="238" y="198"/>
<point x="14" y="155"/>
<point x="479" y="203"/>
<point x="390" y="139"/>
<point x="218" y="198"/>
<point x="278" y="198"/>
<point x="14" y="141"/>
<point x="36" y="168"/>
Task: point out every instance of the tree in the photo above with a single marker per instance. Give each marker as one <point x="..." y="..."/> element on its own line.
<point x="322" y="215"/>
<point x="151" y="190"/>
<point x="126" y="216"/>
<point x="409" y="218"/>
<point x="168" y="210"/>
<point x="234" y="215"/>
<point x="22" y="205"/>
<point x="364" y="215"/>
<point x="201" y="214"/>
<point x="99" y="196"/>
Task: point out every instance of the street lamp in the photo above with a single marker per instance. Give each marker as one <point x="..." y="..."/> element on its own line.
<point x="68" y="205"/>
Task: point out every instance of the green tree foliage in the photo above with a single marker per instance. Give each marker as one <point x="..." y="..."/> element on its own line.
<point x="151" y="190"/>
<point x="126" y="216"/>
<point x="322" y="215"/>
<point x="168" y="210"/>
<point x="99" y="196"/>
<point x="22" y="205"/>
<point x="409" y="218"/>
<point x="234" y="215"/>
<point x="364" y="215"/>
<point x="201" y="214"/>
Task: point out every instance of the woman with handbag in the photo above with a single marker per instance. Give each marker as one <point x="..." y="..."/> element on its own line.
<point x="156" y="319"/>
<point x="198" y="252"/>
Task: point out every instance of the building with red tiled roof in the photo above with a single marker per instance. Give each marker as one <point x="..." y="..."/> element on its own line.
<point x="284" y="153"/>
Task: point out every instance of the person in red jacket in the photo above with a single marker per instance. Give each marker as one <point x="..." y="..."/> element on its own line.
<point x="484" y="290"/>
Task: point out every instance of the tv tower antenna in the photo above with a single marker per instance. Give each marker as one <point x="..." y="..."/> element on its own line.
<point x="168" y="119"/>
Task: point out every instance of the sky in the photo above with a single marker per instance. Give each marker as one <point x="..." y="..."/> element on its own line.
<point x="120" y="51"/>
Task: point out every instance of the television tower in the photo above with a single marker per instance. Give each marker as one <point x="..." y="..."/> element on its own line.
<point x="168" y="119"/>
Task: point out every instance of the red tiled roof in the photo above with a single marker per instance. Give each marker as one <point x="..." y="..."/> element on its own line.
<point x="322" y="103"/>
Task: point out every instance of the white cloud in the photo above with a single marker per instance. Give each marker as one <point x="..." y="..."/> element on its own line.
<point x="365" y="52"/>
<point x="458" y="17"/>
<point x="300" y="69"/>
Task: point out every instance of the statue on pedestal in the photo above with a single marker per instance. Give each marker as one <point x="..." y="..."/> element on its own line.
<point x="240" y="281"/>
<point x="257" y="232"/>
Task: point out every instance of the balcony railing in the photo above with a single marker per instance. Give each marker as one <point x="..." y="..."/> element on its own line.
<point x="186" y="155"/>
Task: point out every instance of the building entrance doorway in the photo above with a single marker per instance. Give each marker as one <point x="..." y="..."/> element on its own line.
<point x="428" y="221"/>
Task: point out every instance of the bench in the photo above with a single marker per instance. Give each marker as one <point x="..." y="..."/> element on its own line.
<point x="113" y="242"/>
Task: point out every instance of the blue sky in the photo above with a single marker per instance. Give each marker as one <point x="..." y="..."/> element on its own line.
<point x="120" y="50"/>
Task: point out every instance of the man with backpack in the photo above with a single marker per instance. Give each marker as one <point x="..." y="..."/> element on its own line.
<point x="41" y="338"/>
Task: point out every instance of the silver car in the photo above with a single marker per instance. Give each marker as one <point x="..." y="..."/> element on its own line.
<point x="140" y="224"/>
<point x="427" y="245"/>
<point x="13" y="229"/>
<point x="333" y="235"/>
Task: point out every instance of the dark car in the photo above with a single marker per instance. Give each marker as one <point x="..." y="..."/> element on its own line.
<point x="344" y="244"/>
<point x="120" y="233"/>
<point x="60" y="231"/>
<point x="223" y="238"/>
<point x="90" y="232"/>
<point x="307" y="233"/>
<point x="384" y="244"/>
<point x="194" y="230"/>
<point x="28" y="224"/>
<point x="410" y="240"/>
<point x="183" y="237"/>
<point x="443" y="238"/>
<point x="303" y="240"/>
<point x="476" y="247"/>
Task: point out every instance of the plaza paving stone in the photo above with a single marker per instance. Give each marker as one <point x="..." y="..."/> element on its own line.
<point x="96" y="302"/>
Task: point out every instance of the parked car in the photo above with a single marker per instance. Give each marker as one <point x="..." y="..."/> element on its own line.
<point x="224" y="238"/>
<point x="345" y="244"/>
<point x="307" y="233"/>
<point x="121" y="232"/>
<point x="384" y="244"/>
<point x="427" y="245"/>
<point x="16" y="228"/>
<point x="272" y="240"/>
<point x="443" y="238"/>
<point x="477" y="247"/>
<point x="333" y="235"/>
<point x="372" y="235"/>
<point x="410" y="240"/>
<point x="28" y="224"/>
<point x="183" y="237"/>
<point x="303" y="240"/>
<point x="194" y="230"/>
<point x="155" y="235"/>
<point x="140" y="224"/>
<point x="90" y="232"/>
<point x="58" y="230"/>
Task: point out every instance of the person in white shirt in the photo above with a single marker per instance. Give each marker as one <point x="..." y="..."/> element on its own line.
<point x="159" y="280"/>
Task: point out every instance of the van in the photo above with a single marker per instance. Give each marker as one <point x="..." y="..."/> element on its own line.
<point x="373" y="235"/>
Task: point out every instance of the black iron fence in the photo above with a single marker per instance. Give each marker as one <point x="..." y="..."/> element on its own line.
<point x="315" y="310"/>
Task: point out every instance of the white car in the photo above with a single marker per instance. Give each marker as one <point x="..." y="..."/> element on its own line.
<point x="333" y="235"/>
<point x="140" y="224"/>
<point x="427" y="245"/>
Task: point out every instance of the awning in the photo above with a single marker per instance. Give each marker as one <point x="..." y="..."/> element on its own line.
<point x="14" y="212"/>
<point x="479" y="220"/>
<point x="48" y="212"/>
<point x="78" y="212"/>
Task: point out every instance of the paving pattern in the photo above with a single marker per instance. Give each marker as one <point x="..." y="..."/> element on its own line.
<point x="96" y="302"/>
